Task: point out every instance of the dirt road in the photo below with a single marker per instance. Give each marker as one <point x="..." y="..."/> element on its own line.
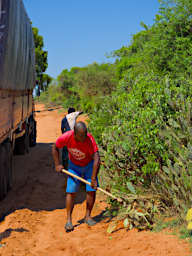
<point x="34" y="212"/>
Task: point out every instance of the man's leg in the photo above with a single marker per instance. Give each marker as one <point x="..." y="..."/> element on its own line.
<point x="72" y="188"/>
<point x="69" y="206"/>
<point x="91" y="195"/>
<point x="90" y="203"/>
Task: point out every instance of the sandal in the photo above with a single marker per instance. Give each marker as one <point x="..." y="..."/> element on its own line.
<point x="90" y="222"/>
<point x="69" y="227"/>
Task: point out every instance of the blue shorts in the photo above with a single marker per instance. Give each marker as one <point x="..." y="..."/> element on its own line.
<point x="84" y="172"/>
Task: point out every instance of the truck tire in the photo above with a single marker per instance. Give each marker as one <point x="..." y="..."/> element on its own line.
<point x="3" y="189"/>
<point x="2" y="172"/>
<point x="22" y="144"/>
<point x="9" y="165"/>
<point x="33" y="134"/>
<point x="6" y="169"/>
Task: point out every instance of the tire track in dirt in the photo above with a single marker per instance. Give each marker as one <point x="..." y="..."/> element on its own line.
<point x="35" y="219"/>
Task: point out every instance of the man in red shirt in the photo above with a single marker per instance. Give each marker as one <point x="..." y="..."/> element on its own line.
<point x="84" y="161"/>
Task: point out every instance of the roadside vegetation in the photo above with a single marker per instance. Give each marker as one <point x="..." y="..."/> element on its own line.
<point x="140" y="111"/>
<point x="43" y="80"/>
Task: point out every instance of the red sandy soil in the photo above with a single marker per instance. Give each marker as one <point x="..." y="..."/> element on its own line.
<point x="34" y="212"/>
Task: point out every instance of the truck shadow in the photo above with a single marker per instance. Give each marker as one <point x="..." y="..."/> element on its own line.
<point x="37" y="186"/>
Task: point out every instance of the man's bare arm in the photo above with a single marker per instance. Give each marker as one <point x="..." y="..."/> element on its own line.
<point x="96" y="166"/>
<point x="55" y="153"/>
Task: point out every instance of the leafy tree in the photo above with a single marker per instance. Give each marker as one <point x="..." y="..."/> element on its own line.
<point x="41" y="58"/>
<point x="84" y="87"/>
<point x="46" y="81"/>
<point x="94" y="82"/>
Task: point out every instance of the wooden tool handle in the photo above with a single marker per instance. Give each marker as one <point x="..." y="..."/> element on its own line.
<point x="88" y="183"/>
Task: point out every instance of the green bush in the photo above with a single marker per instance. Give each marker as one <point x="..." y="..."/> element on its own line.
<point x="143" y="133"/>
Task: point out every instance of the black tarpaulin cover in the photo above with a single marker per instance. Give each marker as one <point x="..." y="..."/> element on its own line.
<point x="17" y="55"/>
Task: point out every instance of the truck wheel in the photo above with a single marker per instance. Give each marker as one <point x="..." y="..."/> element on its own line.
<point x="4" y="171"/>
<point x="3" y="187"/>
<point x="9" y="163"/>
<point x="33" y="134"/>
<point x="22" y="144"/>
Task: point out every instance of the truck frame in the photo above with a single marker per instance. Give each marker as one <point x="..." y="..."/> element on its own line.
<point x="17" y="80"/>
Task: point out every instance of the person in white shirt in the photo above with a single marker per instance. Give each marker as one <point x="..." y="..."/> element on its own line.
<point x="67" y="124"/>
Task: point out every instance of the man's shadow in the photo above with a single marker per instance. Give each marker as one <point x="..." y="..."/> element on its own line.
<point x="8" y="232"/>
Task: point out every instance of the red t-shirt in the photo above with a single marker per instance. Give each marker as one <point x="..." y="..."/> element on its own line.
<point x="80" y="153"/>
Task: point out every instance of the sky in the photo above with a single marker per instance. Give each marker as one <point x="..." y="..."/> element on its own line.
<point x="79" y="32"/>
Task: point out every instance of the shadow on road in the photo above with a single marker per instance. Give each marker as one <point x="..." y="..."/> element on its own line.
<point x="37" y="186"/>
<point x="8" y="232"/>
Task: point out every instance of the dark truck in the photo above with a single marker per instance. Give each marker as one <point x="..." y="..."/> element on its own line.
<point x="17" y="80"/>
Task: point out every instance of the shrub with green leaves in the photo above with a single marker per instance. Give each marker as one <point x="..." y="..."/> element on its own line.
<point x="174" y="181"/>
<point x="144" y="128"/>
